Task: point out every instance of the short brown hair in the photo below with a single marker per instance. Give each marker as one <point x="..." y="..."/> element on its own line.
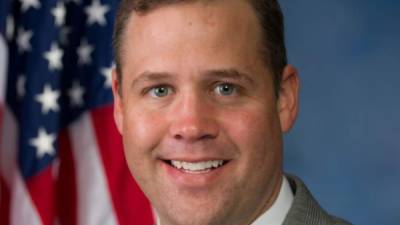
<point x="268" y="12"/>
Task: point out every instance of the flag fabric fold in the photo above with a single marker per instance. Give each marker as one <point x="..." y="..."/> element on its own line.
<point x="61" y="158"/>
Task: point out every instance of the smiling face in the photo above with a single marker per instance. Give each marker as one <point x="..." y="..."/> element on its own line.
<point x="202" y="128"/>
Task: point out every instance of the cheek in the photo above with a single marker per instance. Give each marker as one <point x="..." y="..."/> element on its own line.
<point x="141" y="135"/>
<point x="256" y="134"/>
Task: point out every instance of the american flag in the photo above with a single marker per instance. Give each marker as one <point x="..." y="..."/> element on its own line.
<point x="61" y="158"/>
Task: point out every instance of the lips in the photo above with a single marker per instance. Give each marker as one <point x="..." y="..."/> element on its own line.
<point x="203" y="165"/>
<point x="197" y="167"/>
<point x="195" y="174"/>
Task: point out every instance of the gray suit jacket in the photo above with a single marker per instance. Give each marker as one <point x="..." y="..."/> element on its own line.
<point x="305" y="210"/>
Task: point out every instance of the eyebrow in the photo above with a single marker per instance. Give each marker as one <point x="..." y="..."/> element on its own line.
<point x="234" y="74"/>
<point x="148" y="76"/>
<point x="230" y="74"/>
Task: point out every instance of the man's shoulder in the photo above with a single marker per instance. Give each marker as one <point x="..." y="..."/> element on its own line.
<point x="305" y="209"/>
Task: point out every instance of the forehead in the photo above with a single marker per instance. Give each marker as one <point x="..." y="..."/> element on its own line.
<point x="241" y="11"/>
<point x="194" y="26"/>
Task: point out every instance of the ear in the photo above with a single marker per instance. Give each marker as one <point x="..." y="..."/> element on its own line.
<point x="288" y="103"/>
<point x="118" y="103"/>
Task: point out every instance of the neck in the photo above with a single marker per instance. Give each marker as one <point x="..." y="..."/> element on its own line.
<point x="270" y="199"/>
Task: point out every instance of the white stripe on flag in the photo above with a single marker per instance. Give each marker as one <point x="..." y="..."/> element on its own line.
<point x="3" y="68"/>
<point x="22" y="209"/>
<point x="94" y="202"/>
<point x="8" y="144"/>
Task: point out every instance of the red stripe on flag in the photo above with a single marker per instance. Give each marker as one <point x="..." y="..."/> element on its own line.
<point x="66" y="192"/>
<point x="130" y="204"/>
<point x="4" y="203"/>
<point x="4" y="191"/>
<point x="1" y="122"/>
<point x="41" y="190"/>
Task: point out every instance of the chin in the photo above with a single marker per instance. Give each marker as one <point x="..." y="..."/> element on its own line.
<point x="193" y="213"/>
<point x="191" y="219"/>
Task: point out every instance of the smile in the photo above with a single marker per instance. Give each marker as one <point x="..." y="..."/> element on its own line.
<point x="196" y="173"/>
<point x="196" y="167"/>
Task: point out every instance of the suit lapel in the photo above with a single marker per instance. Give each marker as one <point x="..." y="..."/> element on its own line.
<point x="305" y="209"/>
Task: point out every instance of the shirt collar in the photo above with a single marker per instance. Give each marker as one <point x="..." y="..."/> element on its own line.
<point x="278" y="211"/>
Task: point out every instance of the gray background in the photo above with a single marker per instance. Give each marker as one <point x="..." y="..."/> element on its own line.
<point x="346" y="143"/>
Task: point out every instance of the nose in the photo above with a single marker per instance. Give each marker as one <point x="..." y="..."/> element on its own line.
<point x="192" y="119"/>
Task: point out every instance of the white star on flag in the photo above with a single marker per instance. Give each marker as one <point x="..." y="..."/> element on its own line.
<point x="21" y="82"/>
<point x="59" y="14"/>
<point x="54" y="56"/>
<point x="48" y="99"/>
<point x="96" y="13"/>
<point x="23" y="40"/>
<point x="84" y="51"/>
<point x="43" y="143"/>
<point x="107" y="72"/>
<point x="26" y="4"/>
<point x="76" y="94"/>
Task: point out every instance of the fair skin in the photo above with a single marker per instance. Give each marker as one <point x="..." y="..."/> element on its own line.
<point x="194" y="89"/>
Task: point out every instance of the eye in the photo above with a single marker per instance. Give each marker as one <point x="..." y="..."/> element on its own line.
<point x="160" y="91"/>
<point x="226" y="89"/>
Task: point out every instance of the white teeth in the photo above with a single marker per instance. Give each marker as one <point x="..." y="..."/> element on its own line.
<point x="197" y="166"/>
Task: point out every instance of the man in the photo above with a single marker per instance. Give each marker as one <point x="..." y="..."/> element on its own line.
<point x="203" y="94"/>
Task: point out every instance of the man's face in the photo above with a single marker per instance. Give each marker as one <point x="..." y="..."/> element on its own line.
<point x="200" y="122"/>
